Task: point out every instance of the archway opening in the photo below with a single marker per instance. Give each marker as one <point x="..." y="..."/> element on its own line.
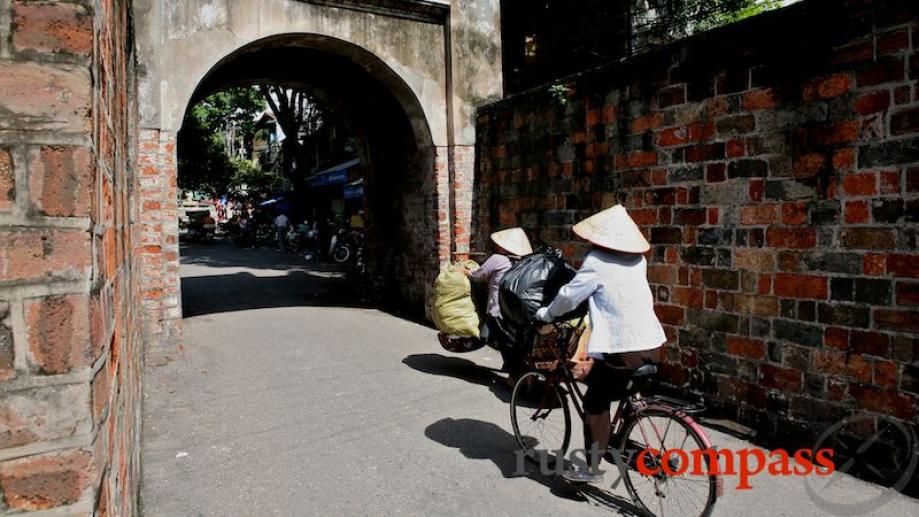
<point x="392" y="149"/>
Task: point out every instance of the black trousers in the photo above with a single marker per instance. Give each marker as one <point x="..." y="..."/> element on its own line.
<point x="496" y="332"/>
<point x="609" y="378"/>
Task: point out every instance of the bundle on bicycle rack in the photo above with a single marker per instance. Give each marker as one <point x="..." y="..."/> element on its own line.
<point x="562" y="345"/>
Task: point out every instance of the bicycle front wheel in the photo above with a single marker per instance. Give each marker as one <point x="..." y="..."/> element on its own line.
<point x="540" y="417"/>
<point x="665" y="471"/>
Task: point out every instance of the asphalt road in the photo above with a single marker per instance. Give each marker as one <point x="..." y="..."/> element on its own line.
<point x="293" y="397"/>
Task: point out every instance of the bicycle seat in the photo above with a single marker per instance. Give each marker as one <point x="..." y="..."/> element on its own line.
<point x="646" y="370"/>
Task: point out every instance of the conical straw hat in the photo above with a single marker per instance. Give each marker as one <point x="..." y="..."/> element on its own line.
<point x="514" y="240"/>
<point x="613" y="229"/>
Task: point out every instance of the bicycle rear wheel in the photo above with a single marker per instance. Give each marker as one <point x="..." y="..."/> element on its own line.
<point x="540" y="417"/>
<point x="672" y="488"/>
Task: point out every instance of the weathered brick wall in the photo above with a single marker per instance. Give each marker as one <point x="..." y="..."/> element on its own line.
<point x="774" y="166"/>
<point x="158" y="244"/>
<point x="69" y="361"/>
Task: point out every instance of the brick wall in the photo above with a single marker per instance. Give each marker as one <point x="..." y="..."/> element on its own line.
<point x="774" y="166"/>
<point x="158" y="244"/>
<point x="69" y="367"/>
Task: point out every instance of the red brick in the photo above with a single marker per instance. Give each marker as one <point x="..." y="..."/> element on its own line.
<point x="670" y="314"/>
<point x="857" y="212"/>
<point x="46" y="481"/>
<point x="759" y="214"/>
<point x="672" y="136"/>
<point x="794" y="213"/>
<point x="912" y="179"/>
<point x="860" y="184"/>
<point x="756" y="190"/>
<point x="836" y="337"/>
<point x="712" y="215"/>
<point x="885" y="374"/>
<point x="885" y="71"/>
<point x="898" y="320"/>
<point x="899" y="405"/>
<point x="760" y="99"/>
<point x="7" y="181"/>
<point x="44" y="96"/>
<point x="893" y="42"/>
<point x="800" y="286"/>
<point x="869" y="343"/>
<point x="687" y="297"/>
<point x="753" y="259"/>
<point x="37" y="254"/>
<point x="784" y="379"/>
<point x="799" y="238"/>
<point x="874" y="264"/>
<point x="644" y="216"/>
<point x="807" y="165"/>
<point x="868" y="238"/>
<point x="641" y="159"/>
<point x="764" y="284"/>
<point x="903" y="265"/>
<point x="904" y="122"/>
<point x="717" y="172"/>
<point x="52" y="28"/>
<point x="828" y="87"/>
<point x="842" y="364"/>
<point x="838" y="133"/>
<point x="890" y="182"/>
<point x="57" y="329"/>
<point x="101" y="390"/>
<point x="61" y="181"/>
<point x="874" y="102"/>
<point x="908" y="293"/>
<point x="844" y="159"/>
<point x="699" y="132"/>
<point x="745" y="347"/>
<point x="647" y="122"/>
<point x="662" y="274"/>
<point x="735" y="148"/>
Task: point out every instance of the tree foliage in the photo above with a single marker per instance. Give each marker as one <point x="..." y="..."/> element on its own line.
<point x="205" y="164"/>
<point x="660" y="21"/>
<point x="299" y="117"/>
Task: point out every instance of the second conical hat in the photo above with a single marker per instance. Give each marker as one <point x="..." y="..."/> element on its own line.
<point x="613" y="229"/>
<point x="514" y="240"/>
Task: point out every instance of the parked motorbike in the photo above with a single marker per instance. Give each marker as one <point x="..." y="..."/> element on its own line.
<point x="347" y="245"/>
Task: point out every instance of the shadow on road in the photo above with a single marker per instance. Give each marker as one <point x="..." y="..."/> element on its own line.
<point x="463" y="369"/>
<point x="268" y="280"/>
<point x="477" y="440"/>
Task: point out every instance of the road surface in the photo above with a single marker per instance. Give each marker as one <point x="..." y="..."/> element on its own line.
<point x="294" y="397"/>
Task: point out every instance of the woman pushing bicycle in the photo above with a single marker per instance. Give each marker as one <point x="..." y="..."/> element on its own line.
<point x="625" y="332"/>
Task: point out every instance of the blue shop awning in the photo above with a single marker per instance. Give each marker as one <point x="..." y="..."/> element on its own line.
<point x="337" y="175"/>
<point x="354" y="190"/>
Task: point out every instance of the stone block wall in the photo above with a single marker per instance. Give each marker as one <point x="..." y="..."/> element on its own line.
<point x="774" y="166"/>
<point x="69" y="348"/>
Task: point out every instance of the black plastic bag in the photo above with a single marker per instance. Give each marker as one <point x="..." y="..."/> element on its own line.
<point x="532" y="283"/>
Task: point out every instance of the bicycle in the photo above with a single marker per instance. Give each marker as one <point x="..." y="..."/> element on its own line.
<point x="640" y="432"/>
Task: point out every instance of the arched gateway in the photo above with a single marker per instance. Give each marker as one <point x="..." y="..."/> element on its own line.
<point x="405" y="77"/>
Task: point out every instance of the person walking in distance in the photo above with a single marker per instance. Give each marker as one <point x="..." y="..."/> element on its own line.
<point x="281" y="226"/>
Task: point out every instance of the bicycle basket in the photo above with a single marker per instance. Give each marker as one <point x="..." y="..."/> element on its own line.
<point x="553" y="345"/>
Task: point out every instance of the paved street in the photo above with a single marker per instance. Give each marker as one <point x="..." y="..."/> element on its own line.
<point x="295" y="398"/>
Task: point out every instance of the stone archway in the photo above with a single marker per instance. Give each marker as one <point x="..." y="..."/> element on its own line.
<point x="406" y="79"/>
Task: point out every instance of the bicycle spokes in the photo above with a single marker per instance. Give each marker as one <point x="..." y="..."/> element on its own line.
<point x="665" y="476"/>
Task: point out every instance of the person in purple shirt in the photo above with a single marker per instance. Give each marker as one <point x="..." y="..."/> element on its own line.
<point x="511" y="243"/>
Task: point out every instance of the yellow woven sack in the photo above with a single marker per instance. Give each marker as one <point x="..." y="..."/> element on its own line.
<point x="454" y="311"/>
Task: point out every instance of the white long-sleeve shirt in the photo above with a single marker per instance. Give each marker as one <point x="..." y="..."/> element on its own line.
<point x="622" y="315"/>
